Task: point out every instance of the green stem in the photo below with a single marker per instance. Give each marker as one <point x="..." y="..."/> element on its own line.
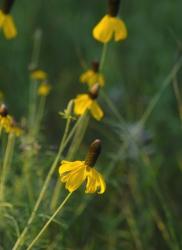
<point x="156" y="98"/>
<point x="49" y="221"/>
<point x="21" y="238"/>
<point x="103" y="56"/>
<point x="6" y="164"/>
<point x="40" y="114"/>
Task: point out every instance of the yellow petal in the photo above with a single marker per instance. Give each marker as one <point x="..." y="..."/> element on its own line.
<point x="82" y="103"/>
<point x="75" y="180"/>
<point x="84" y="78"/>
<point x="96" y="111"/>
<point x="103" y="31"/>
<point x="69" y="166"/>
<point x="101" y="184"/>
<point x="91" y="182"/>
<point x="120" y="30"/>
<point x="2" y="18"/>
<point x="39" y="75"/>
<point x="9" y="27"/>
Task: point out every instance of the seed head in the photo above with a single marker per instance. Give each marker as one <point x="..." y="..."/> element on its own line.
<point x="7" y="6"/>
<point x="3" y="110"/>
<point x="113" y="7"/>
<point x="93" y="153"/>
<point x="94" y="91"/>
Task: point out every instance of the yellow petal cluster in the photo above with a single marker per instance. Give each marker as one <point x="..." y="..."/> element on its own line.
<point x="39" y="75"/>
<point x="83" y="102"/>
<point x="110" y="28"/>
<point x="7" y="25"/>
<point x="44" y="89"/>
<point x="75" y="173"/>
<point x="91" y="77"/>
<point x="5" y="122"/>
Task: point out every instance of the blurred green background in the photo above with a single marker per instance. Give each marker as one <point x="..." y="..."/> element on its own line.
<point x="142" y="206"/>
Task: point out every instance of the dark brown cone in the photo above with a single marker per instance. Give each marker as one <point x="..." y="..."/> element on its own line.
<point x="3" y="110"/>
<point x="93" y="153"/>
<point x="113" y="7"/>
<point x="95" y="66"/>
<point x="7" y="6"/>
<point x="94" y="91"/>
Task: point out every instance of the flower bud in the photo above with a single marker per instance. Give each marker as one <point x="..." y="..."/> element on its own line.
<point x="93" y="153"/>
<point x="94" y="91"/>
<point x="3" y="110"/>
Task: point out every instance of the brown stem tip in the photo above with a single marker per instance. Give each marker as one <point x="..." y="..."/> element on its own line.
<point x="3" y="110"/>
<point x="113" y="7"/>
<point x="94" y="91"/>
<point x="7" y="6"/>
<point x="95" y="66"/>
<point x="93" y="153"/>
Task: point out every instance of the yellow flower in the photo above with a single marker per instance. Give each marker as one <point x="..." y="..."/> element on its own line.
<point x="5" y="118"/>
<point x="44" y="89"/>
<point x="75" y="173"/>
<point x="110" y="28"/>
<point x="90" y="77"/>
<point x="14" y="129"/>
<point x="7" y="25"/>
<point x="39" y="75"/>
<point x="85" y="102"/>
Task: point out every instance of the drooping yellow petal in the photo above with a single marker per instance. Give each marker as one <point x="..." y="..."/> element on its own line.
<point x="101" y="185"/>
<point x="110" y="27"/>
<point x="69" y="166"/>
<point x="95" y="182"/>
<point x="103" y="31"/>
<point x="91" y="182"/>
<point x="2" y="18"/>
<point x="39" y="75"/>
<point x="90" y="77"/>
<point x="96" y="111"/>
<point x="75" y="179"/>
<point x="44" y="89"/>
<point x="84" y="78"/>
<point x="9" y="27"/>
<point x="120" y="30"/>
<point x="81" y="104"/>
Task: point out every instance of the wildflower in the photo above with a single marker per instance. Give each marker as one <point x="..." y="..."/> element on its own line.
<point x="44" y="89"/>
<point x="75" y="173"/>
<point x="86" y="102"/>
<point x="39" y="75"/>
<point x="110" y="25"/>
<point x="93" y="76"/>
<point x="5" y="118"/>
<point x="6" y="20"/>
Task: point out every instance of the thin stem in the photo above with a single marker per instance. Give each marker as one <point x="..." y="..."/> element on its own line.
<point x="103" y="56"/>
<point x="21" y="238"/>
<point x="178" y="96"/>
<point x="156" y="98"/>
<point x="40" y="114"/>
<point x="6" y="163"/>
<point x="48" y="222"/>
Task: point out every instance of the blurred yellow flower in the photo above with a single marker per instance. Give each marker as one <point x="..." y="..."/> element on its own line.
<point x="92" y="76"/>
<point x="110" y="28"/>
<point x="7" y="25"/>
<point x="85" y="102"/>
<point x="39" y="75"/>
<point x="5" y="118"/>
<point x="44" y="89"/>
<point x="75" y="173"/>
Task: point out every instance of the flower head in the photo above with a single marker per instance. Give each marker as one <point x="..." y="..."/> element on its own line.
<point x="6" y="20"/>
<point x="14" y="128"/>
<point x="88" y="101"/>
<point x="39" y="75"/>
<point x="5" y="118"/>
<point x="110" y="27"/>
<point x="93" y="76"/>
<point x="75" y="173"/>
<point x="44" y="89"/>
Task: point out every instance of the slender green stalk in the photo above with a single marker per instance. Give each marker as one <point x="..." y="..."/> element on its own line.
<point x="49" y="221"/>
<point x="157" y="97"/>
<point x="62" y="146"/>
<point x="178" y="96"/>
<point x="78" y="137"/>
<point x="6" y="164"/>
<point x="40" y="114"/>
<point x="103" y="56"/>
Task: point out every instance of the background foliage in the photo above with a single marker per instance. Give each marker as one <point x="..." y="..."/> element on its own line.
<point x="142" y="205"/>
